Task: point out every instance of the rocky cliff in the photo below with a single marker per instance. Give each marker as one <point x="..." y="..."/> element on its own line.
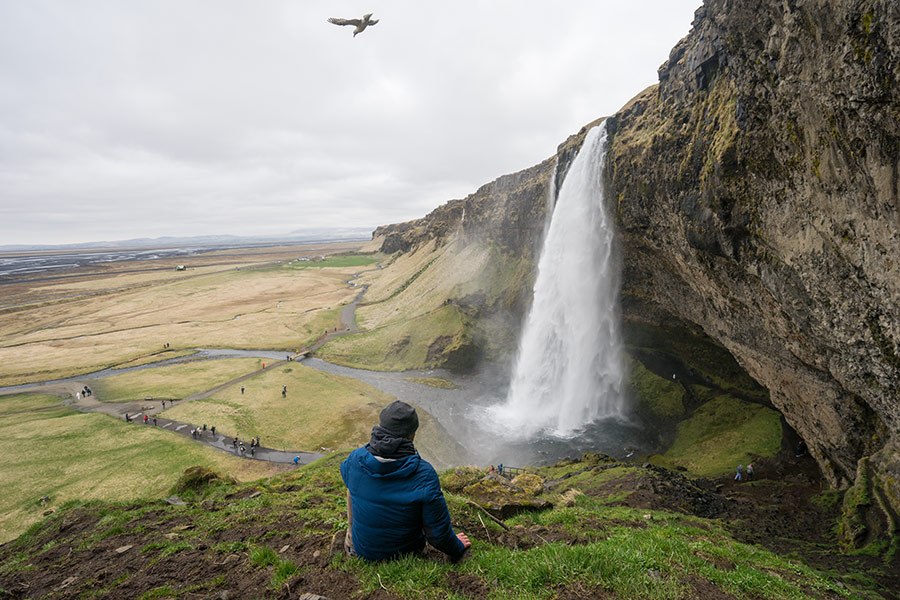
<point x="756" y="192"/>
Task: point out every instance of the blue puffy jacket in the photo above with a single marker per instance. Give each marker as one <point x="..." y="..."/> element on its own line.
<point x="395" y="506"/>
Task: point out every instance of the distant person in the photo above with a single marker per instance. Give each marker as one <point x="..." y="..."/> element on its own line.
<point x="242" y="390"/>
<point x="154" y="421"/>
<point x="284" y="391"/>
<point x="296" y="460"/>
<point x="749" y="471"/>
<point x="234" y="444"/>
<point x="739" y="474"/>
<point x="164" y="404"/>
<point x="213" y="429"/>
<point x="500" y="468"/>
<point x="394" y="498"/>
<point x="127" y="418"/>
<point x="146" y="418"/>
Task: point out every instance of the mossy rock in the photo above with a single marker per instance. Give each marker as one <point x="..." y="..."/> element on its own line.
<point x="196" y="481"/>
<point x="456" y="479"/>
<point x="529" y="483"/>
<point x="503" y="499"/>
<point x="657" y="398"/>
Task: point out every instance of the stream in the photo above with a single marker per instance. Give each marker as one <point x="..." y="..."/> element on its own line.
<point x="463" y="412"/>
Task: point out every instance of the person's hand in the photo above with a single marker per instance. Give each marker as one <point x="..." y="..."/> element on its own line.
<point x="464" y="539"/>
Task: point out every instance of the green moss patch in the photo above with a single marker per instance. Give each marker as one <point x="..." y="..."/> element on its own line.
<point x="657" y="398"/>
<point x="722" y="434"/>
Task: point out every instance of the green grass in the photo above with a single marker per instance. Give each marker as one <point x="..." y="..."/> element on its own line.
<point x="173" y="381"/>
<point x="338" y="261"/>
<point x="401" y="345"/>
<point x="50" y="450"/>
<point x="653" y="561"/>
<point x="657" y="397"/>
<point x="612" y="550"/>
<point x="722" y="434"/>
<point x="320" y="410"/>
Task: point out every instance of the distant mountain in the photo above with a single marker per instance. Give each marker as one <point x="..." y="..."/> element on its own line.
<point x="319" y="234"/>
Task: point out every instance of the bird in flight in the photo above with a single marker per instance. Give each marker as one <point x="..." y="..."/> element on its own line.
<point x="360" y="24"/>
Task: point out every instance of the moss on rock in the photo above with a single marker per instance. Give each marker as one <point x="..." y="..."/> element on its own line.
<point x="720" y="435"/>
<point x="656" y="397"/>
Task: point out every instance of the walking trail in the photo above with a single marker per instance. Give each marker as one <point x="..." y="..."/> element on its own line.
<point x="136" y="409"/>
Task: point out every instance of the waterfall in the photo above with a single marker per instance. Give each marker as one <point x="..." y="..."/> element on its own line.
<point x="569" y="368"/>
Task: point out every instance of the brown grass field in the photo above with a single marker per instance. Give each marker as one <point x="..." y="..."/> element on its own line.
<point x="117" y="314"/>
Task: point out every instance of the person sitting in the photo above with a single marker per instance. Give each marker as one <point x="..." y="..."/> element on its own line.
<point x="394" y="498"/>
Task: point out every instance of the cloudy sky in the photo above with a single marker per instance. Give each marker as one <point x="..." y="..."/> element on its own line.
<point x="189" y="117"/>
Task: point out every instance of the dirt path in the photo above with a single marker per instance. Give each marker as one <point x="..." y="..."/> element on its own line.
<point x="71" y="391"/>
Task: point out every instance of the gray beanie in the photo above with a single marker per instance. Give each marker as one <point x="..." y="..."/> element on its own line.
<point x="399" y="419"/>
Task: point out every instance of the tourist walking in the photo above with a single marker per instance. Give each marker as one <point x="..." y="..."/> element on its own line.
<point x="739" y="474"/>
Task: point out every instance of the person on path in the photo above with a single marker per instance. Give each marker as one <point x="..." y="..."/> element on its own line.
<point x="395" y="502"/>
<point x="235" y="443"/>
<point x="154" y="421"/>
<point x="146" y="418"/>
<point x="739" y="474"/>
<point x="749" y="471"/>
<point x="296" y="460"/>
<point x="213" y="429"/>
<point x="164" y="403"/>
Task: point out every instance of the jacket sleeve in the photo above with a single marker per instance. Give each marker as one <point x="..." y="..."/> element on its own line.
<point x="436" y="522"/>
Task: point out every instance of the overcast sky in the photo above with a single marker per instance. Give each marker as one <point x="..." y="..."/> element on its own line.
<point x="190" y="117"/>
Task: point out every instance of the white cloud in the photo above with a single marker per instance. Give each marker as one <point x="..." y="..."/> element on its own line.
<point x="182" y="117"/>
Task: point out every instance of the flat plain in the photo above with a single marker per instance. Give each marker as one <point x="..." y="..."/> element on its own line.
<point x="137" y="313"/>
<point x="120" y="313"/>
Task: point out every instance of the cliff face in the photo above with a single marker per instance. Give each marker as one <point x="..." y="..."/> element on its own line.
<point x="756" y="191"/>
<point x="508" y="211"/>
<point x="756" y="194"/>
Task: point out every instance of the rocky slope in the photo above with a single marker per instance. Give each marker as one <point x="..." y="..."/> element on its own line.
<point x="756" y="193"/>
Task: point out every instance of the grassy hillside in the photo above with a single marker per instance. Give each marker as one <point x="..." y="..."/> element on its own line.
<point x="601" y="534"/>
<point x="50" y="450"/>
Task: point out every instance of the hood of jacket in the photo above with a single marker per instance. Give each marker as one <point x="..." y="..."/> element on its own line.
<point x="397" y="468"/>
